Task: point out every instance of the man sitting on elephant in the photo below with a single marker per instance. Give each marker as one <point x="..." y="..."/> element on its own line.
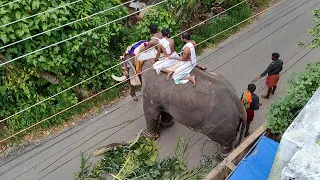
<point x="150" y="51"/>
<point x="188" y="62"/>
<point x="166" y="49"/>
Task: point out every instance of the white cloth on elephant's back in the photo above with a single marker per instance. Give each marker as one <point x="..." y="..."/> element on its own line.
<point x="148" y="54"/>
<point x="184" y="70"/>
<point x="165" y="63"/>
<point x="185" y="67"/>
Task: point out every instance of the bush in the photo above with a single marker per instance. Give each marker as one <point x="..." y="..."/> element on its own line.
<point x="301" y="88"/>
<point x="45" y="73"/>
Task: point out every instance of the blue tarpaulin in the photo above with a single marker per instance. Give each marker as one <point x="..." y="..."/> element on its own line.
<point x="257" y="165"/>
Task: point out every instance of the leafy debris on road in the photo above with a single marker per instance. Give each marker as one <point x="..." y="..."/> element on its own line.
<point x="139" y="160"/>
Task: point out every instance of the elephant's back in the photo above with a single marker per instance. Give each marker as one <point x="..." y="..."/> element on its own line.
<point x="212" y="99"/>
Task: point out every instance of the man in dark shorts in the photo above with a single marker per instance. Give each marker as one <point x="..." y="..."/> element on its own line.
<point x="273" y="72"/>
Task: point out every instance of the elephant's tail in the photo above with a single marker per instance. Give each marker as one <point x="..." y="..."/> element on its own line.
<point x="242" y="124"/>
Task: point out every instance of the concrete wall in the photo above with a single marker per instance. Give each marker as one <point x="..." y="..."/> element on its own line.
<point x="298" y="156"/>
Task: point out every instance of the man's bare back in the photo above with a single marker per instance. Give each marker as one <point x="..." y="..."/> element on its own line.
<point x="154" y="40"/>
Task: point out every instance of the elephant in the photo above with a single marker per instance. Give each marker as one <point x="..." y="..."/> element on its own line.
<point x="212" y="107"/>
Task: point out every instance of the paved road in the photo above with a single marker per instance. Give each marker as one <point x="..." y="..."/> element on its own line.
<point x="239" y="59"/>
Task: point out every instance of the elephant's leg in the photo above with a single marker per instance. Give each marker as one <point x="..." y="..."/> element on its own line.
<point x="166" y="120"/>
<point x="152" y="116"/>
<point x="225" y="141"/>
<point x="132" y="91"/>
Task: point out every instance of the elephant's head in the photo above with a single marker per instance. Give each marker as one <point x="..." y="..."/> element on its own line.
<point x="127" y="69"/>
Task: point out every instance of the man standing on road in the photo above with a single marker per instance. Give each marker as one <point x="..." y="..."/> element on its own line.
<point x="273" y="72"/>
<point x="251" y="102"/>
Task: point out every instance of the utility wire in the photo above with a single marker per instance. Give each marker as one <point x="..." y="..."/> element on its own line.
<point x="221" y="121"/>
<point x="25" y="18"/>
<point x="231" y="44"/>
<point x="9" y="3"/>
<point x="23" y="130"/>
<point x="78" y="35"/>
<point x="115" y="133"/>
<point x="71" y="87"/>
<point x="67" y="24"/>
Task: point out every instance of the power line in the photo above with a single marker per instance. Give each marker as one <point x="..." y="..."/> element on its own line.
<point x="231" y="43"/>
<point x="9" y="3"/>
<point x="60" y="112"/>
<point x="295" y="53"/>
<point x="210" y="130"/>
<point x="53" y="9"/>
<point x="113" y="134"/>
<point x="258" y="92"/>
<point x="67" y="24"/>
<point x="78" y="35"/>
<point x="258" y="28"/>
<point x="19" y="112"/>
<point x="290" y="56"/>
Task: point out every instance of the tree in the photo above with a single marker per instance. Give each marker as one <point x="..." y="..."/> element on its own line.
<point x="44" y="73"/>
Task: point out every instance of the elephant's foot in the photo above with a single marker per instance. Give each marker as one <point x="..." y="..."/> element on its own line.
<point x="166" y="124"/>
<point x="154" y="136"/>
<point x="221" y="156"/>
<point x="135" y="98"/>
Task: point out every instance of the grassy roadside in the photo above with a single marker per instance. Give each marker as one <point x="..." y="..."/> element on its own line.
<point x="95" y="105"/>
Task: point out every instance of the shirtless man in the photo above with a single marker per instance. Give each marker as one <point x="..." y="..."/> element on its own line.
<point x="165" y="46"/>
<point x="188" y="62"/>
<point x="155" y="36"/>
<point x="148" y="50"/>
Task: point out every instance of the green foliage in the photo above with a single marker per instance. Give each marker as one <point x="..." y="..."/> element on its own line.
<point x="163" y="18"/>
<point x="314" y="31"/>
<point x="47" y="72"/>
<point x="140" y="161"/>
<point x="218" y="25"/>
<point x="301" y="88"/>
<point x="25" y="84"/>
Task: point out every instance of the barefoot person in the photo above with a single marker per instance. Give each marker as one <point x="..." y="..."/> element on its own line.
<point x="188" y="61"/>
<point x="166" y="46"/>
<point x="273" y="72"/>
<point x="251" y="102"/>
<point x="150" y="50"/>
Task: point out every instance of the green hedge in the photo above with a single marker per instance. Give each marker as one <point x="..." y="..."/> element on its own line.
<point x="79" y="59"/>
<point x="302" y="86"/>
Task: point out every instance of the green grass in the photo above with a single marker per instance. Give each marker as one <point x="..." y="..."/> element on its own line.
<point x="217" y="25"/>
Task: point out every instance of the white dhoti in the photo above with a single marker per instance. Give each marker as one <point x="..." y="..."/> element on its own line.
<point x="147" y="55"/>
<point x="185" y="67"/>
<point x="165" y="63"/>
<point x="183" y="70"/>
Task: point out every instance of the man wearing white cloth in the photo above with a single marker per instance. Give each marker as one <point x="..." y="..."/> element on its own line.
<point x="166" y="49"/>
<point x="150" y="51"/>
<point x="188" y="61"/>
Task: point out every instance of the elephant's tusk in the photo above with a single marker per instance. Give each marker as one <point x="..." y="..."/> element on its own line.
<point x="122" y="78"/>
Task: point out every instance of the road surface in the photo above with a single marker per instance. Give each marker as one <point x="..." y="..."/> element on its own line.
<point x="239" y="59"/>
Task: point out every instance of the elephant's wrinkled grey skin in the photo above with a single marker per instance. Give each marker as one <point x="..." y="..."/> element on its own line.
<point x="212" y="107"/>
